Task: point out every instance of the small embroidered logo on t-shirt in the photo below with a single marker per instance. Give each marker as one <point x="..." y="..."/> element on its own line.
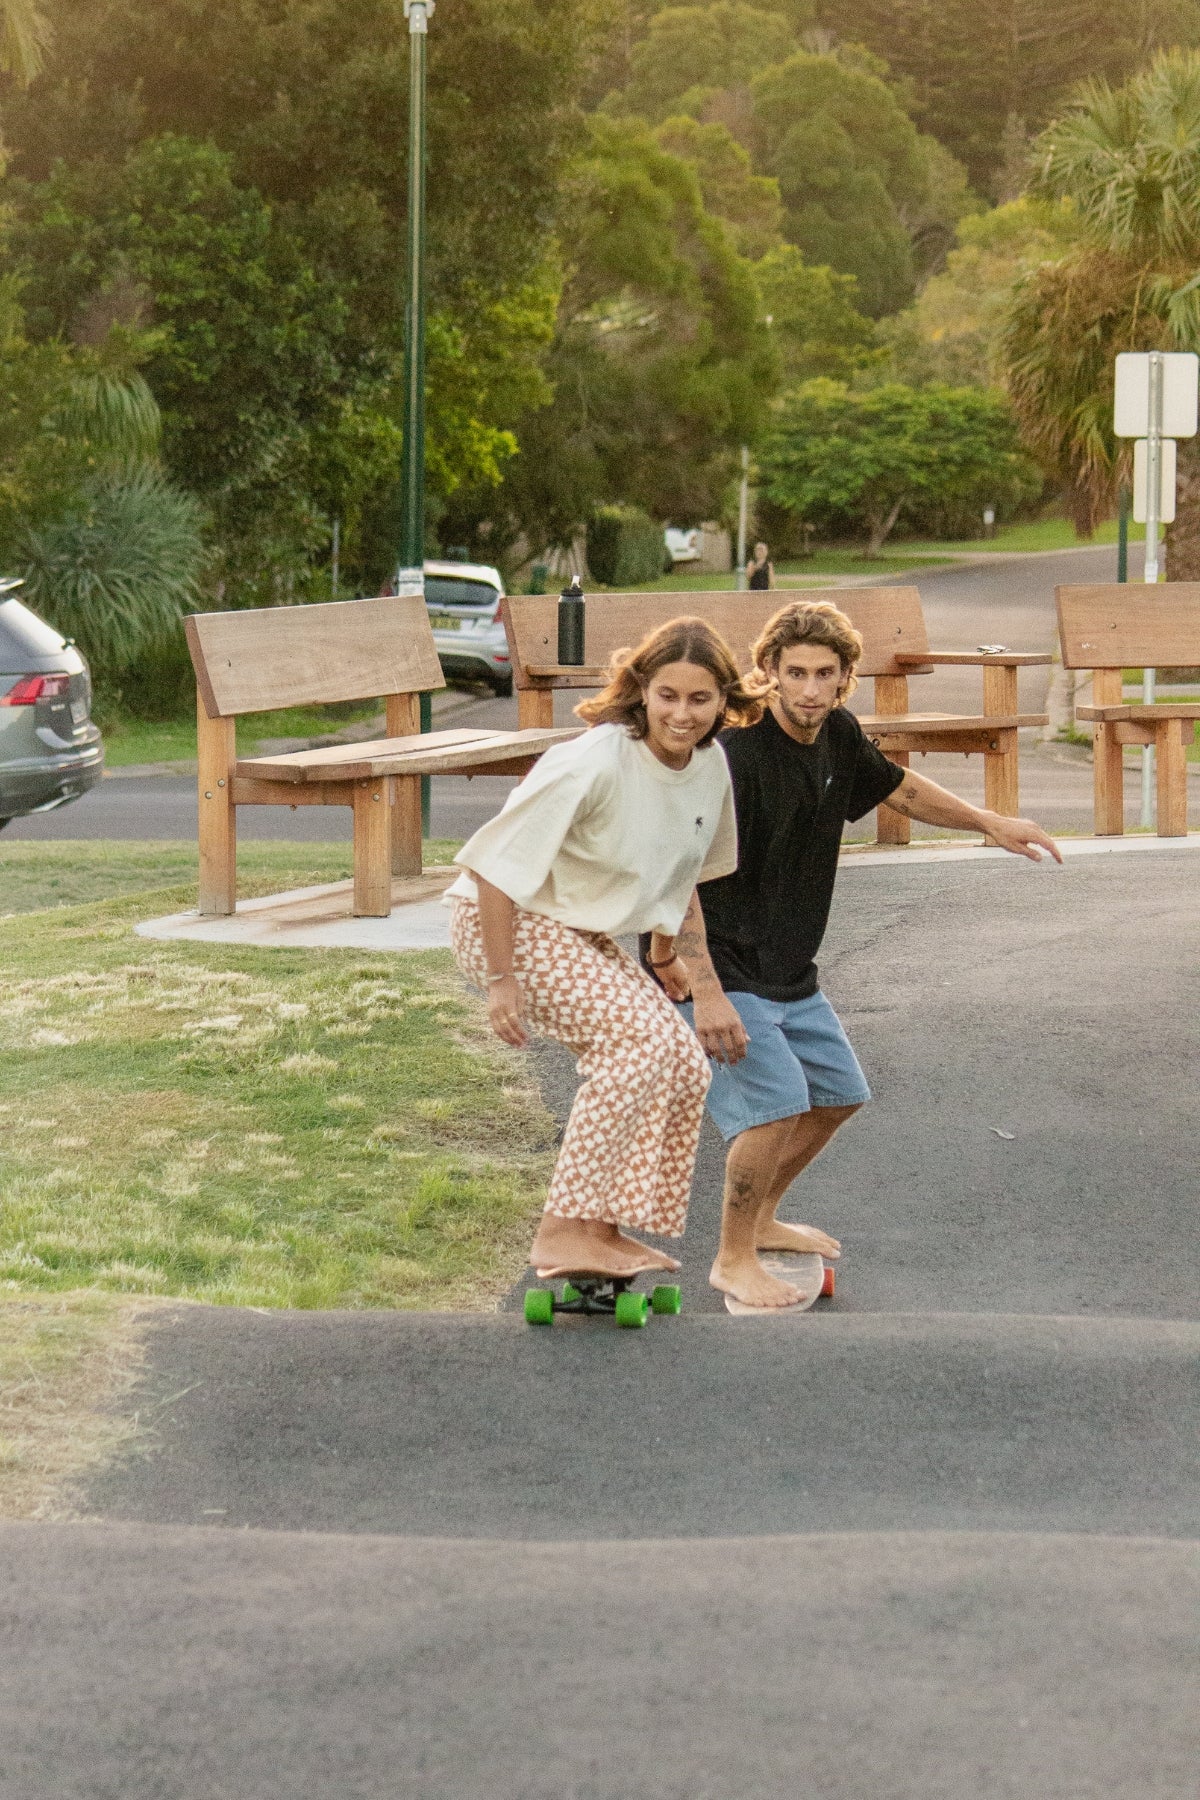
<point x="699" y="824"/>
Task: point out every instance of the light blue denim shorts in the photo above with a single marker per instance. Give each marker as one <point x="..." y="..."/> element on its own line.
<point x="799" y="1057"/>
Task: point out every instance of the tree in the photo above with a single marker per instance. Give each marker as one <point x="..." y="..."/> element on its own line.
<point x="976" y="73"/>
<point x="23" y="37"/>
<point x="816" y="327"/>
<point x="660" y="363"/>
<point x="935" y="454"/>
<point x="1129" y="161"/>
<point x="748" y="203"/>
<point x="691" y="52"/>
<point x="856" y="177"/>
<point x="952" y="331"/>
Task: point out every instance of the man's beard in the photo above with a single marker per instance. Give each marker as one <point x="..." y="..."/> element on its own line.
<point x="801" y="721"/>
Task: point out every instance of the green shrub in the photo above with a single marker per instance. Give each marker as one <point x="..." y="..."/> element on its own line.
<point x="119" y="569"/>
<point x="624" y="547"/>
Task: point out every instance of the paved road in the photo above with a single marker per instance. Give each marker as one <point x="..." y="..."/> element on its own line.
<point x="936" y="1539"/>
<point x="1010" y="600"/>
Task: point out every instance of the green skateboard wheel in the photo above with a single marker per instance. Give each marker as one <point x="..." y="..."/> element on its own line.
<point x="632" y="1309"/>
<point x="539" y="1307"/>
<point x="666" y="1300"/>
<point x="571" y="1293"/>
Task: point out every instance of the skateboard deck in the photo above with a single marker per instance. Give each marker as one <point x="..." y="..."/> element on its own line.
<point x="593" y="1291"/>
<point x="808" y="1273"/>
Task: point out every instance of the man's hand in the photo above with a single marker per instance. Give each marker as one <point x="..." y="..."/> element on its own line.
<point x="506" y="1008"/>
<point x="720" y="1030"/>
<point x="1021" y="836"/>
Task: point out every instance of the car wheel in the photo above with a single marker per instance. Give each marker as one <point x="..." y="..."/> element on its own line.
<point x="502" y="686"/>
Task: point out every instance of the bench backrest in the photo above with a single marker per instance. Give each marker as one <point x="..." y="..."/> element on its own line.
<point x="1119" y="625"/>
<point x="890" y="620"/>
<point x="258" y="661"/>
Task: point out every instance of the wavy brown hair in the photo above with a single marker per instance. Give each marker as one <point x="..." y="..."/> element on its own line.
<point x="810" y="622"/>
<point x="679" y="640"/>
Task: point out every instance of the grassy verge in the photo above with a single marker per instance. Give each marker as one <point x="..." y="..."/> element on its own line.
<point x="131" y="741"/>
<point x="35" y="874"/>
<point x="64" y="1361"/>
<point x="253" y="1127"/>
<point x="1032" y="534"/>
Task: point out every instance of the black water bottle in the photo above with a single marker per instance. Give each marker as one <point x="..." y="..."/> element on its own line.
<point x="570" y="624"/>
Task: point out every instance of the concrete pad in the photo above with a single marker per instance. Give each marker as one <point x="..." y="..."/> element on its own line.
<point x="222" y="1666"/>
<point x="699" y="1426"/>
<point x="320" y="918"/>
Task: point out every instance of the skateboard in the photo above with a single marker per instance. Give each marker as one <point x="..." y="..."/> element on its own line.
<point x="808" y="1273"/>
<point x="588" y="1291"/>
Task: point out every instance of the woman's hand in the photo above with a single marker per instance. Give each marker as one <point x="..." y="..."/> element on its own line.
<point x="674" y="979"/>
<point x="506" y="1009"/>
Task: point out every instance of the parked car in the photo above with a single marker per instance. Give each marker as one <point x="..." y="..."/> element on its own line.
<point x="50" y="751"/>
<point x="464" y="611"/>
<point x="682" y="546"/>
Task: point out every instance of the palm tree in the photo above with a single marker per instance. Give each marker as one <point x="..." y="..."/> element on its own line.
<point x="24" y="34"/>
<point x="1129" y="160"/>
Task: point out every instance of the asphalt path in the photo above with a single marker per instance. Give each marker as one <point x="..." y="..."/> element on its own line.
<point x="1007" y="600"/>
<point x="936" y="1538"/>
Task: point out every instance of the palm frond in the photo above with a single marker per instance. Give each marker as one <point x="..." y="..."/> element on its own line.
<point x="24" y="36"/>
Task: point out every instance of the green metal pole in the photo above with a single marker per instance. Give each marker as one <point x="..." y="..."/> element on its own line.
<point x="1123" y="533"/>
<point x="412" y="476"/>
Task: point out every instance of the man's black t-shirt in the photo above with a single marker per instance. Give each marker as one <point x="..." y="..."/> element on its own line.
<point x="765" y="922"/>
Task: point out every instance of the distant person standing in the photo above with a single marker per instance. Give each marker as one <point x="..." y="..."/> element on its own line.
<point x="759" y="570"/>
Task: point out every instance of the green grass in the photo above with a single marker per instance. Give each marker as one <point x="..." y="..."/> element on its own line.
<point x="254" y="1127"/>
<point x="131" y="741"/>
<point x="72" y="871"/>
<point x="1029" y="535"/>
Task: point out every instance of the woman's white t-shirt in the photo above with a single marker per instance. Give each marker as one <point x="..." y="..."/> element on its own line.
<point x="602" y="836"/>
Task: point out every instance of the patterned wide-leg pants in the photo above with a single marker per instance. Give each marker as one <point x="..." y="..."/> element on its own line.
<point x="630" y="1144"/>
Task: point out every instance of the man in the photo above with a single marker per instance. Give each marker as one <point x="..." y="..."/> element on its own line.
<point x="785" y="1077"/>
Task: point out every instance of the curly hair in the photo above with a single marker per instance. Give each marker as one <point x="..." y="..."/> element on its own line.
<point x="810" y="622"/>
<point x="686" y="640"/>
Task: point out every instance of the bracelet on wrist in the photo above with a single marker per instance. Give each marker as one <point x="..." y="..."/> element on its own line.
<point x="666" y="962"/>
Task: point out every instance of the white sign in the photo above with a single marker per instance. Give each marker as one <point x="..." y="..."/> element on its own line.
<point x="1166" y="485"/>
<point x="1131" y="411"/>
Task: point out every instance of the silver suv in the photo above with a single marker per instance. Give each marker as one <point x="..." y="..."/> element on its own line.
<point x="50" y="752"/>
<point x="464" y="611"/>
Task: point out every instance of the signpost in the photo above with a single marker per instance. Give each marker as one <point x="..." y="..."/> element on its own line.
<point x="411" y="578"/>
<point x="1155" y="402"/>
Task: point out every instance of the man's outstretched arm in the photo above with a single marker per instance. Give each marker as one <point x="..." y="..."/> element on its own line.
<point x="919" y="798"/>
<point x="718" y="1026"/>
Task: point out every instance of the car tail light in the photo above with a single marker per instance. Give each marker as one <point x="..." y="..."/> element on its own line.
<point x="32" y="688"/>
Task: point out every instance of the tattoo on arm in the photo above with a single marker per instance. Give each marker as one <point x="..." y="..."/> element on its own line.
<point x="692" y="944"/>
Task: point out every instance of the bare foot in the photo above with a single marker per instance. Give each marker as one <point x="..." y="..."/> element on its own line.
<point x="660" y="1258"/>
<point x="802" y="1240"/>
<point x="750" y="1283"/>
<point x="571" y="1246"/>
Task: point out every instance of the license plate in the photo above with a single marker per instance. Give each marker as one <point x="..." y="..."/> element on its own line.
<point x="79" y="711"/>
<point x="444" y="622"/>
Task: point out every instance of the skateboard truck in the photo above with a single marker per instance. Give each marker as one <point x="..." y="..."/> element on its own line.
<point x="609" y="1294"/>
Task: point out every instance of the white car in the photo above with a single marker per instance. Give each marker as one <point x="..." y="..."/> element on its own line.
<point x="682" y="546"/>
<point x="464" y="611"/>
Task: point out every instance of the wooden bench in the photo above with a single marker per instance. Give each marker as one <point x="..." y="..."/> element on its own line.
<point x="895" y="647"/>
<point x="259" y="661"/>
<point x="1115" y="626"/>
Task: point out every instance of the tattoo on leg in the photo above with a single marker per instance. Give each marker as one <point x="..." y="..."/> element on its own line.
<point x="741" y="1192"/>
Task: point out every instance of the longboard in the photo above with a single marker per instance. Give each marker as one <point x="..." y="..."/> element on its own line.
<point x="808" y="1273"/>
<point x="592" y="1291"/>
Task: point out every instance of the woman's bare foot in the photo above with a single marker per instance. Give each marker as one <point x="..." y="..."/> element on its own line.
<point x="661" y="1259"/>
<point x="801" y="1240"/>
<point x="750" y="1283"/>
<point x="571" y="1246"/>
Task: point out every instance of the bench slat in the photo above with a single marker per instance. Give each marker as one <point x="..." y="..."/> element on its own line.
<point x="403" y="756"/>
<point x="1112" y="625"/>
<point x="259" y="661"/>
<point x="1005" y="659"/>
<point x="1181" y="709"/>
<point x="902" y="724"/>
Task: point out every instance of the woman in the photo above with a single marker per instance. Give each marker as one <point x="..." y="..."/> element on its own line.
<point x="608" y="835"/>
<point x="760" y="571"/>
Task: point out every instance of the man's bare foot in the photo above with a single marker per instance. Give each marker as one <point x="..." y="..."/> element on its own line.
<point x="570" y="1246"/>
<point x="750" y="1283"/>
<point x="801" y="1240"/>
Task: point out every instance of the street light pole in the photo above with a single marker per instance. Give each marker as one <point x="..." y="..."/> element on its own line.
<point x="412" y="472"/>
<point x="1154" y="440"/>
